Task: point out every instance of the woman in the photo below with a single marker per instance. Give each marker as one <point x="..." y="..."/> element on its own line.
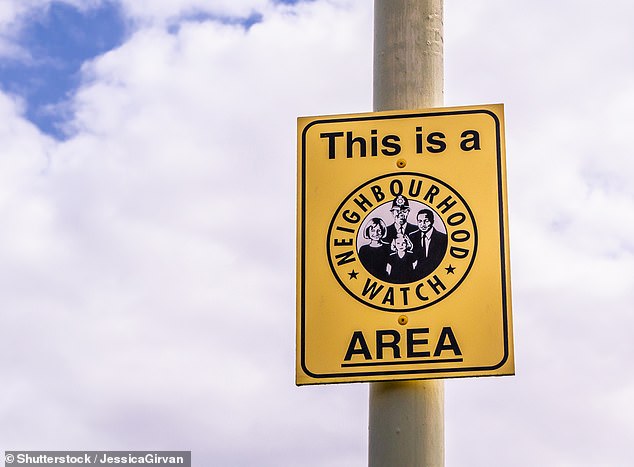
<point x="374" y="255"/>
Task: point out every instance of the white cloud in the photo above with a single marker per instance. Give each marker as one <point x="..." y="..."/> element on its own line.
<point x="163" y="12"/>
<point x="156" y="249"/>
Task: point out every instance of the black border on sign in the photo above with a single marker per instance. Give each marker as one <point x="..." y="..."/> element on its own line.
<point x="503" y="241"/>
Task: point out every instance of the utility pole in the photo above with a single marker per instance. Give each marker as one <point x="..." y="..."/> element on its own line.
<point x="406" y="423"/>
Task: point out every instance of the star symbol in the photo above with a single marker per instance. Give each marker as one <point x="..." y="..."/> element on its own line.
<point x="353" y="274"/>
<point x="450" y="269"/>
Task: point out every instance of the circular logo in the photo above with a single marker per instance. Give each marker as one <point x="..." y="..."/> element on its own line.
<point x="402" y="242"/>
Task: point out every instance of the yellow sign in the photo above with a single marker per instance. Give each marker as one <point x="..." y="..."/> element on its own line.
<point x="402" y="252"/>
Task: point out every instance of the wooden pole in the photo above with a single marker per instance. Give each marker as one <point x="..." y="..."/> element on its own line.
<point x="406" y="423"/>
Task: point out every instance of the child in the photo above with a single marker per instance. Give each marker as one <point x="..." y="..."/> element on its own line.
<point x="400" y="263"/>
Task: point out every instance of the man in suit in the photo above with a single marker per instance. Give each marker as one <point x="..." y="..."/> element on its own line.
<point x="400" y="211"/>
<point x="430" y="244"/>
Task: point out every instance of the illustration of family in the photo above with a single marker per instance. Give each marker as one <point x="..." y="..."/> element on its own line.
<point x="402" y="252"/>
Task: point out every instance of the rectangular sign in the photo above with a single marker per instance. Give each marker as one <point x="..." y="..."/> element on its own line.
<point x="402" y="251"/>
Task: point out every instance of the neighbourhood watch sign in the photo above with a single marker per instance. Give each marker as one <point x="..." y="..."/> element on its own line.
<point x="403" y="268"/>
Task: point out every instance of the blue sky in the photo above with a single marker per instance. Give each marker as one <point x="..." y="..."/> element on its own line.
<point x="147" y="249"/>
<point x="58" y="40"/>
